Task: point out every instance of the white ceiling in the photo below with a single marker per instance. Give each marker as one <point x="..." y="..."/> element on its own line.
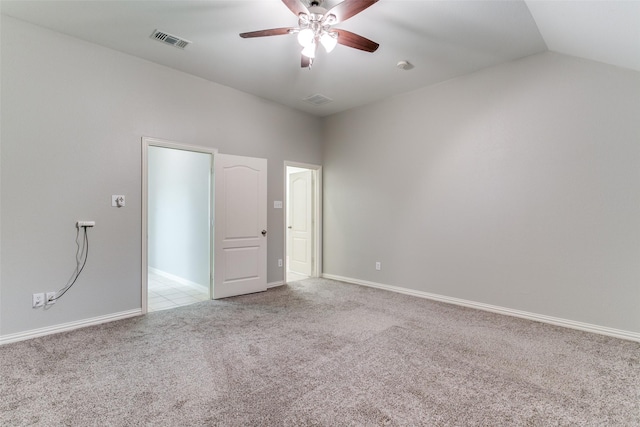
<point x="443" y="39"/>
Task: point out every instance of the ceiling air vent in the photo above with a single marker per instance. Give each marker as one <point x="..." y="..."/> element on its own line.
<point x="170" y="39"/>
<point x="317" y="99"/>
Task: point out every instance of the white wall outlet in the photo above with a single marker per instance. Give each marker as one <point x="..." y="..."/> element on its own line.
<point x="85" y="224"/>
<point x="279" y="263"/>
<point x="38" y="300"/>
<point x="118" y="200"/>
<point x="277" y="204"/>
<point x="50" y="298"/>
<point x="378" y="265"/>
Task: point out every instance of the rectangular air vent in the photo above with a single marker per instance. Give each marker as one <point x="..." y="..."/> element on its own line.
<point x="170" y="39"/>
<point x="317" y="99"/>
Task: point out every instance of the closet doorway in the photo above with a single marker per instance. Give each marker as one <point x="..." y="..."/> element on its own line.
<point x="303" y="221"/>
<point x="179" y="203"/>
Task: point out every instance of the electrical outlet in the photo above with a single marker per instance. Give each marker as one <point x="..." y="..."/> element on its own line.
<point x="49" y="298"/>
<point x="279" y="263"/>
<point x="38" y="300"/>
<point x="378" y="265"/>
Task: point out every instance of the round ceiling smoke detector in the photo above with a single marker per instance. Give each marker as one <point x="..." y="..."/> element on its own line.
<point x="404" y="65"/>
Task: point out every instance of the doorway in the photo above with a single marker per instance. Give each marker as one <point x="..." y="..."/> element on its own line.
<point x="177" y="224"/>
<point x="178" y="232"/>
<point x="302" y="221"/>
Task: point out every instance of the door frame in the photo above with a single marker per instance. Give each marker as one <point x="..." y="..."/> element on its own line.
<point x="316" y="268"/>
<point x="155" y="142"/>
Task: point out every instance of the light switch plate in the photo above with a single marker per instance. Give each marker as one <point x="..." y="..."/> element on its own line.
<point x="277" y="204"/>
<point x="117" y="200"/>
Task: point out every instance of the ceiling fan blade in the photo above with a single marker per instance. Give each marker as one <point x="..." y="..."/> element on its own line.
<point x="305" y="62"/>
<point x="346" y="9"/>
<point x="296" y="6"/>
<point x="347" y="38"/>
<point x="265" y="33"/>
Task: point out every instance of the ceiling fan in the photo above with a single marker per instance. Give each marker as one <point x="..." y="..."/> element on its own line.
<point x="315" y="26"/>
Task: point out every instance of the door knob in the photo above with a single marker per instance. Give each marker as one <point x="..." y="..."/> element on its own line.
<point x="264" y="232"/>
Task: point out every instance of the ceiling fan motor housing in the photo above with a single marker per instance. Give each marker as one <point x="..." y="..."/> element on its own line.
<point x="316" y="13"/>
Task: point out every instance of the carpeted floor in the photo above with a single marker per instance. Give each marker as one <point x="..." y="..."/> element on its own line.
<point x="319" y="352"/>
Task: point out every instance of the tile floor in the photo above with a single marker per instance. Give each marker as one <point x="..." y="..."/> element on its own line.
<point x="165" y="293"/>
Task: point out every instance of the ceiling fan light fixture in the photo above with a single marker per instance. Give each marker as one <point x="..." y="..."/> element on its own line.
<point x="305" y="37"/>
<point x="329" y="40"/>
<point x="310" y="51"/>
<point x="329" y="19"/>
<point x="303" y="18"/>
<point x="315" y="27"/>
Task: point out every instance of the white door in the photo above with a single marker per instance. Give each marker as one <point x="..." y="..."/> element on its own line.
<point x="240" y="261"/>
<point x="300" y="227"/>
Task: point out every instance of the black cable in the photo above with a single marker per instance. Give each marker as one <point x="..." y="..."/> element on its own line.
<point x="86" y="256"/>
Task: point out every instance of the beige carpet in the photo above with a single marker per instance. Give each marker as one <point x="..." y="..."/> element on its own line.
<point x="320" y="352"/>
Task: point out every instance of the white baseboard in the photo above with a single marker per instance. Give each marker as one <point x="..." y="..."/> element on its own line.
<point x="602" y="330"/>
<point x="49" y="330"/>
<point x="179" y="279"/>
<point x="275" y="284"/>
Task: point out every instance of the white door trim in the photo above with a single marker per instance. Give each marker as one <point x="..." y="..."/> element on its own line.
<point x="155" y="142"/>
<point x="316" y="269"/>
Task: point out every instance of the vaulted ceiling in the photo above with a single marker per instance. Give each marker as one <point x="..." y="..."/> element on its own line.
<point x="441" y="39"/>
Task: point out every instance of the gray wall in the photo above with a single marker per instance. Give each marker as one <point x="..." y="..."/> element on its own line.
<point x="178" y="213"/>
<point x="73" y="115"/>
<point x="516" y="186"/>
